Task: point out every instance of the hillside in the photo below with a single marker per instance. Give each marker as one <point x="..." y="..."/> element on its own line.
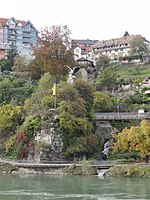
<point x="132" y="70"/>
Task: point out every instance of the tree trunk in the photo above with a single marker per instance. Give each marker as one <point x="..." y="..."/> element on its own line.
<point x="147" y="158"/>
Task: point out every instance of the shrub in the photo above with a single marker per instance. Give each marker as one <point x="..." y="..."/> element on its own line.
<point x="125" y="157"/>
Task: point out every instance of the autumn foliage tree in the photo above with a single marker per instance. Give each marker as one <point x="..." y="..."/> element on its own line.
<point x="137" y="138"/>
<point x="53" y="51"/>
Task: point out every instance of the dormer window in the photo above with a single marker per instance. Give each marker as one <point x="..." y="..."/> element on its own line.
<point x="11" y="23"/>
<point x="20" y="24"/>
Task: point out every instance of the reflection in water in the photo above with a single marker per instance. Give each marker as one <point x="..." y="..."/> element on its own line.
<point x="42" y="187"/>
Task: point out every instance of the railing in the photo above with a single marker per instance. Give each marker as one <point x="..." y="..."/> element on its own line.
<point x="57" y="163"/>
<point x="119" y="116"/>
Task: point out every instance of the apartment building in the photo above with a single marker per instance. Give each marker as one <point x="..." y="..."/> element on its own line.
<point x="21" y="33"/>
<point x="115" y="48"/>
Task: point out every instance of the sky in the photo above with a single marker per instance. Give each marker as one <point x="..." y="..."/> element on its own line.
<point x="87" y="19"/>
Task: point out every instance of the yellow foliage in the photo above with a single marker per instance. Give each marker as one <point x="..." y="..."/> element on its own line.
<point x="145" y="123"/>
<point x="136" y="138"/>
<point x="121" y="143"/>
<point x="10" y="144"/>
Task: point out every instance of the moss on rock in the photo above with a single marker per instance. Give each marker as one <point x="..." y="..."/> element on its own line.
<point x="83" y="170"/>
<point x="130" y="171"/>
<point x="7" y="168"/>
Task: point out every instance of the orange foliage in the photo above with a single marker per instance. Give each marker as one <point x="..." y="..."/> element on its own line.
<point x="53" y="51"/>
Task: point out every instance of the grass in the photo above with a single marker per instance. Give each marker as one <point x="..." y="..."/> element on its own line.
<point x="127" y="71"/>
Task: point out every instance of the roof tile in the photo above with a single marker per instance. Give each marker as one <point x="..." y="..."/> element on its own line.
<point x="4" y="21"/>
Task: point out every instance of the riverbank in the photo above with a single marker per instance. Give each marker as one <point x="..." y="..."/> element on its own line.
<point x="18" y="167"/>
<point x="130" y="170"/>
<point x="82" y="169"/>
<point x="117" y="170"/>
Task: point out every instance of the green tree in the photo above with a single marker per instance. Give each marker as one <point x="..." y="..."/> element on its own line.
<point x="72" y="127"/>
<point x="67" y="92"/>
<point x="139" y="47"/>
<point x="14" y="90"/>
<point x="11" y="118"/>
<point x="31" y="126"/>
<point x="40" y="100"/>
<point x="145" y="97"/>
<point x="11" y="54"/>
<point x="86" y="91"/>
<point x="102" y="102"/>
<point x="86" y="146"/>
<point x="21" y="67"/>
<point x="75" y="120"/>
<point x="35" y="70"/>
<point x="106" y="80"/>
<point x="19" y="64"/>
<point x="3" y="64"/>
<point x="5" y="90"/>
<point x="102" y="61"/>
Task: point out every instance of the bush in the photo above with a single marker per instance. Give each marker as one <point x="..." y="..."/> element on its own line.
<point x="43" y="146"/>
<point x="133" y="57"/>
<point x="129" y="171"/>
<point x="17" y="145"/>
<point x="125" y="157"/>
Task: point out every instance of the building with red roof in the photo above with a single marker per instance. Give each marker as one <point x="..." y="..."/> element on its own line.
<point x="21" y="33"/>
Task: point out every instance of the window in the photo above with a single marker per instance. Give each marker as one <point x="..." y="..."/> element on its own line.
<point x="19" y="31"/>
<point x="12" y="26"/>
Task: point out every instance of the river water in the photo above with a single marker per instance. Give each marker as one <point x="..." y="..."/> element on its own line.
<point x="46" y="187"/>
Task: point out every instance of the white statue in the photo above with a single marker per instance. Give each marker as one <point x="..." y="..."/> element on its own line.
<point x="71" y="79"/>
<point x="72" y="73"/>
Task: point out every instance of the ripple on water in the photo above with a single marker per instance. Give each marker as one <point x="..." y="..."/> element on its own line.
<point x="32" y="195"/>
<point x="46" y="195"/>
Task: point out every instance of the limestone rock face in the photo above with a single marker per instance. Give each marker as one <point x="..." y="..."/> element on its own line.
<point x="49" y="142"/>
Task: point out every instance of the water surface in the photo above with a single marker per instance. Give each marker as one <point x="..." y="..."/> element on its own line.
<point x="44" y="187"/>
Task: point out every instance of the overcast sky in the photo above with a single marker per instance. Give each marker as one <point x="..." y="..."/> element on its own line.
<point x="87" y="19"/>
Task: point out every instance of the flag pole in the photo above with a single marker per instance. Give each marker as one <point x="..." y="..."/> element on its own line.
<point x="55" y="101"/>
<point x="54" y="94"/>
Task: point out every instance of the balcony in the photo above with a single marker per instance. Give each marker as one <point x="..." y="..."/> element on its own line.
<point x="26" y="30"/>
<point x="25" y="40"/>
<point x="25" y="35"/>
<point x="12" y="33"/>
<point x="12" y="38"/>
